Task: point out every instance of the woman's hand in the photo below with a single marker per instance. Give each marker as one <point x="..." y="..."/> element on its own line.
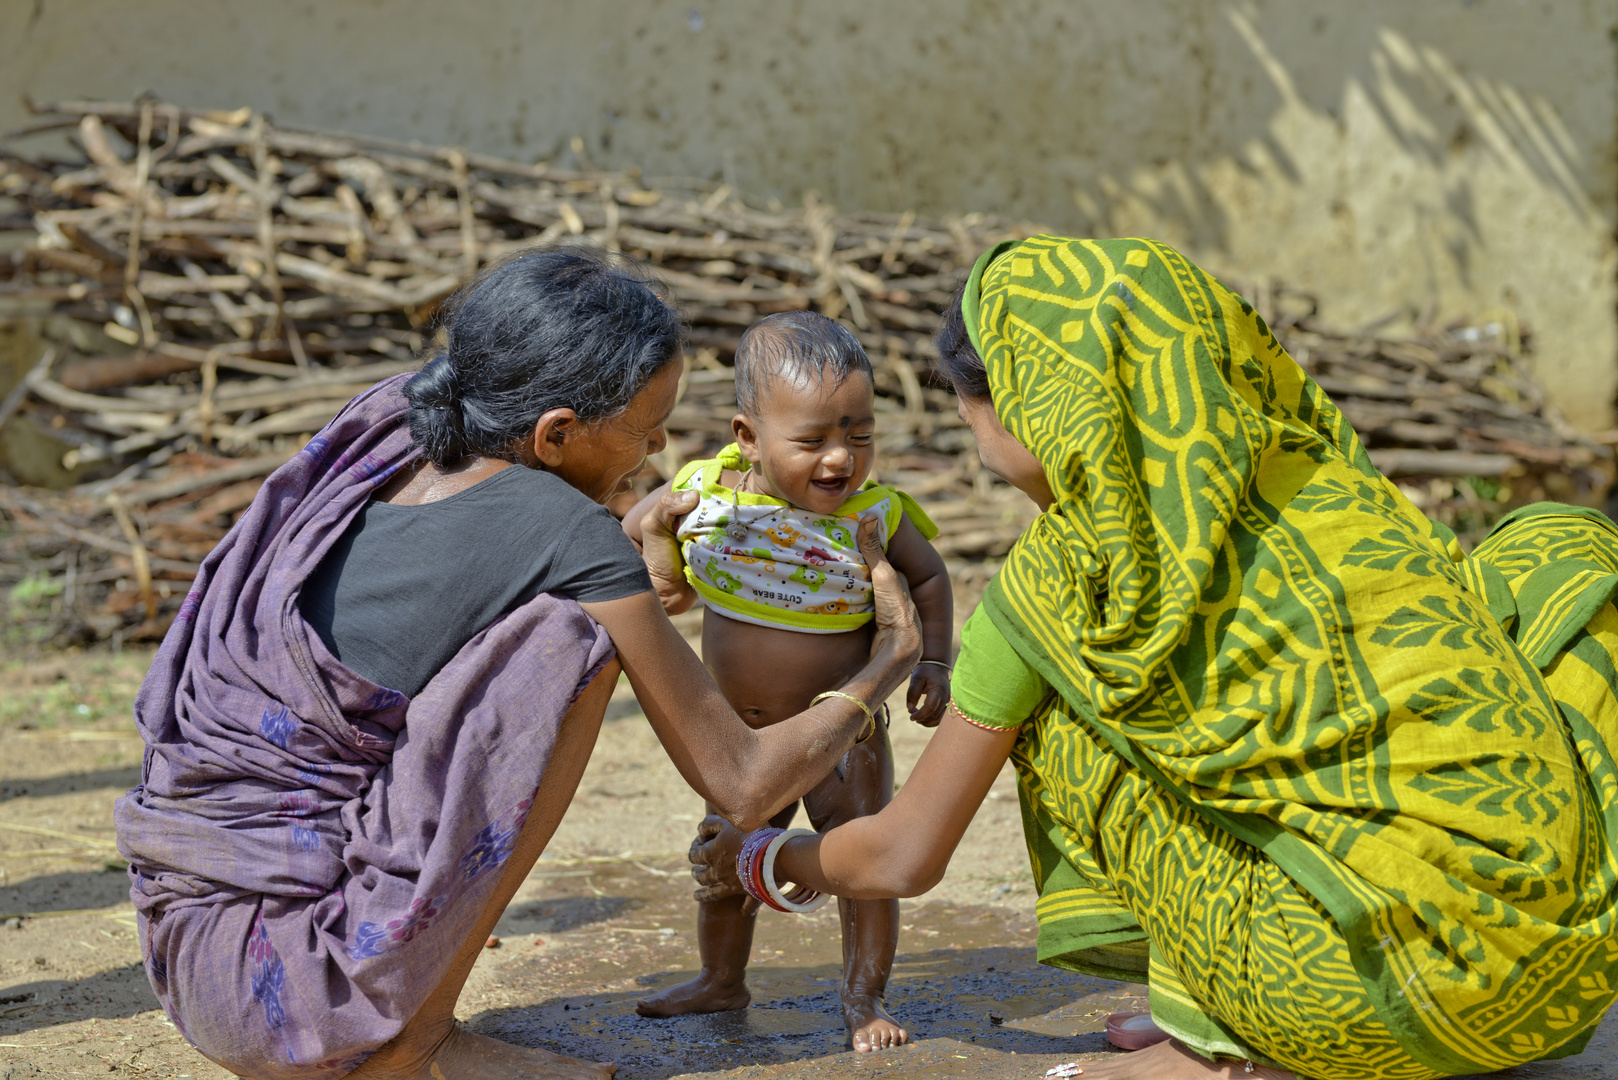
<point x="713" y="861"/>
<point x="662" y="549"/>
<point x="897" y="641"/>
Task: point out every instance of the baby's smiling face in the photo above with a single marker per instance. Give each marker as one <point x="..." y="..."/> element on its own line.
<point x="810" y="443"/>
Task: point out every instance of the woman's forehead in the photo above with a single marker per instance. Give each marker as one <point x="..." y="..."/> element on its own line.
<point x="656" y="398"/>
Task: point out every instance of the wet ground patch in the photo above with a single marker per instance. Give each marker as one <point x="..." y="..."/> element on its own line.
<point x="965" y="984"/>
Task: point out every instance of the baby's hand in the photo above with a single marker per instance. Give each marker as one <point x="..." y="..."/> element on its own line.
<point x="929" y="693"/>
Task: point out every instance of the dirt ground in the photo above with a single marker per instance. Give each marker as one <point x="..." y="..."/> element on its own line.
<point x="604" y="918"/>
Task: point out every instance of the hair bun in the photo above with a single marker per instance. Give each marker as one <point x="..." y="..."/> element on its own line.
<point x="436" y="385"/>
<point x="436" y="421"/>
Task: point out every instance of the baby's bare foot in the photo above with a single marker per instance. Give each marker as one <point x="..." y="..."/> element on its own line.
<point x="870" y="1027"/>
<point x="1171" y="1061"/>
<point x="704" y="994"/>
<point x="461" y="1055"/>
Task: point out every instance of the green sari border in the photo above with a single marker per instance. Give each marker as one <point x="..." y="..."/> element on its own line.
<point x="1117" y="954"/>
<point x="973" y="291"/>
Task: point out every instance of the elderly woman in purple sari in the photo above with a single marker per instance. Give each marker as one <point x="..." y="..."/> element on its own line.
<point x="384" y="686"/>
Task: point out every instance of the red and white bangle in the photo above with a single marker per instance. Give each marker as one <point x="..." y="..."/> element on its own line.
<point x="755" y="867"/>
<point x="750" y="864"/>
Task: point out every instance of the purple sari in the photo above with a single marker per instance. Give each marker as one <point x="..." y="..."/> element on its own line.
<point x="308" y="850"/>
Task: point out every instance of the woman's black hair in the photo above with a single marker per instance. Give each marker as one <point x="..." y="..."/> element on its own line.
<point x="569" y="327"/>
<point x="959" y="366"/>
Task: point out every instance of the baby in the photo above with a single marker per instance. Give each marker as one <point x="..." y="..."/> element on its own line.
<point x="770" y="548"/>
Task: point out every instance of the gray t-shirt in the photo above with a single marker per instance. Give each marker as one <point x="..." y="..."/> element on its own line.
<point x="406" y="586"/>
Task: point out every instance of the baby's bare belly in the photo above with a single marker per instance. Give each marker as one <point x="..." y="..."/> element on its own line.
<point x="768" y="675"/>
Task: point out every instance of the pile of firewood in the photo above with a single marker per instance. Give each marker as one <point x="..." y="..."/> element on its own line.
<point x="227" y="284"/>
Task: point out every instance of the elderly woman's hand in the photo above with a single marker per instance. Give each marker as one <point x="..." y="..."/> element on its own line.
<point x="897" y="640"/>
<point x="661" y="549"/>
<point x="713" y="861"/>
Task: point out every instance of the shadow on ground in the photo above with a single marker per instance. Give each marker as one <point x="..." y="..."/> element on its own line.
<point x="108" y="995"/>
<point x="121" y="779"/>
<point x="66" y="891"/>
<point x="568" y="913"/>
<point x="966" y="985"/>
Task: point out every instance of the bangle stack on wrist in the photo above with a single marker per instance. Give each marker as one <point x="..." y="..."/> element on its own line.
<point x="755" y="866"/>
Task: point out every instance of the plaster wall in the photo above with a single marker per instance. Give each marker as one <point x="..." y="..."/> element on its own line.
<point x="1384" y="153"/>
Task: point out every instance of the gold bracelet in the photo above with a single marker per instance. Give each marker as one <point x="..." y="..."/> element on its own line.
<point x="870" y="718"/>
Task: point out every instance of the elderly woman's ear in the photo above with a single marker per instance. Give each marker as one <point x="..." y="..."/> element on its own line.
<point x="546" y="446"/>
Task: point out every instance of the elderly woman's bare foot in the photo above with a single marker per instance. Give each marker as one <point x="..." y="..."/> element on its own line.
<point x="461" y="1055"/>
<point x="704" y="994"/>
<point x="870" y="1027"/>
<point x="1172" y="1061"/>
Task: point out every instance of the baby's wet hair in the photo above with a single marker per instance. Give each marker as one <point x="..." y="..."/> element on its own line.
<point x="797" y="345"/>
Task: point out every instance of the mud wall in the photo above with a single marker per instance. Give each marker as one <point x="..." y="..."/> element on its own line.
<point x="1384" y="153"/>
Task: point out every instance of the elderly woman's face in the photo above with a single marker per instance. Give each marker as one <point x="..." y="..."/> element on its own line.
<point x="1001" y="453"/>
<point x="601" y="459"/>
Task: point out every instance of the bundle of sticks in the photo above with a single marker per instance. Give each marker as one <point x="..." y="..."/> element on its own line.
<point x="220" y="285"/>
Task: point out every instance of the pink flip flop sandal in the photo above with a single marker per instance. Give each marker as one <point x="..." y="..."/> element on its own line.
<point x="1134" y="1031"/>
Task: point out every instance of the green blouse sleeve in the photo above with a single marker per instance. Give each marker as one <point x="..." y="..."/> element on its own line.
<point x="992" y="686"/>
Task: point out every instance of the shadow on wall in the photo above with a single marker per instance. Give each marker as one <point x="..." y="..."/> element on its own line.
<point x="1433" y="111"/>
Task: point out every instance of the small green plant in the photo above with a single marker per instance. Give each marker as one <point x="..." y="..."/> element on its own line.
<point x="34" y="589"/>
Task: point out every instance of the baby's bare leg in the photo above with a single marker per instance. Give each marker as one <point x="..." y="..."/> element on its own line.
<point x="724" y="942"/>
<point x="767" y="675"/>
<point x="870" y="927"/>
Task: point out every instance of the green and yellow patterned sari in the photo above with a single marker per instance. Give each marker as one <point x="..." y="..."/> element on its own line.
<point x="1345" y="797"/>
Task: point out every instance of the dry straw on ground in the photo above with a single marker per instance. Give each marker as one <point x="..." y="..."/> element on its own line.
<point x="234" y="282"/>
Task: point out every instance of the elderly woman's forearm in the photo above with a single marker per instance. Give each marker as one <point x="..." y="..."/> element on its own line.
<point x="748" y="775"/>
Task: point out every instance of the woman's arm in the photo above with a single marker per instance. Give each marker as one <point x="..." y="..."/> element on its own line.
<point x="654" y="519"/>
<point x="901" y="850"/>
<point x="750" y="775"/>
<point x="633" y="519"/>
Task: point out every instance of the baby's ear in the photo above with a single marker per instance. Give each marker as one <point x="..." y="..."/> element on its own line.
<point x="741" y="426"/>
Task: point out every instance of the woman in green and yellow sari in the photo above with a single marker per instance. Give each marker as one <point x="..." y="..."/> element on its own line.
<point x="1344" y="796"/>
